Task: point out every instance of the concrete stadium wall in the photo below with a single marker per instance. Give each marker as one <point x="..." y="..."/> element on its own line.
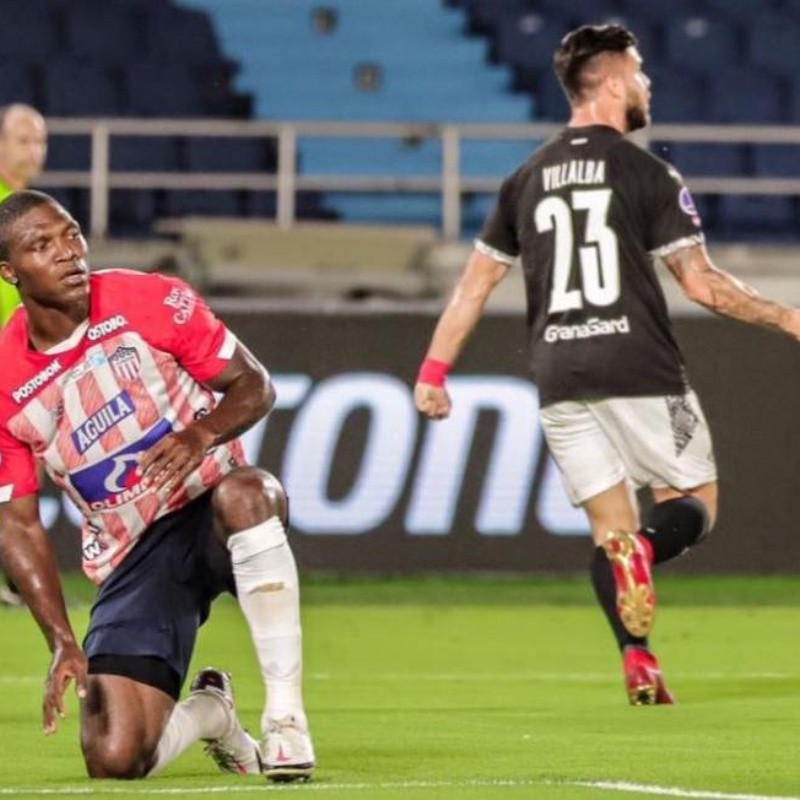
<point x="374" y="487"/>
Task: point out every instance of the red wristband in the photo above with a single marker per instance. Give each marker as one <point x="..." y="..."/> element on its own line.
<point x="433" y="372"/>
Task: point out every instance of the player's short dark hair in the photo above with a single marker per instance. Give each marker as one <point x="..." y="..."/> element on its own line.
<point x="15" y="206"/>
<point x="580" y="46"/>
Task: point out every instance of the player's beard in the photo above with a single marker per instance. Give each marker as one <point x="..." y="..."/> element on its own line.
<point x="635" y="117"/>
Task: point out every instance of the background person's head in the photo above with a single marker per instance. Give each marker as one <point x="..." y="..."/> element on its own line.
<point x="600" y="64"/>
<point x="23" y="145"/>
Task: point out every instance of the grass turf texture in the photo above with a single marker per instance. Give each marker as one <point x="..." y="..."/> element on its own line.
<point x="476" y="688"/>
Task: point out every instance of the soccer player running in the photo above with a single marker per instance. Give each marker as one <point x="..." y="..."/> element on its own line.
<point x="23" y="149"/>
<point x="587" y="213"/>
<point x="109" y="380"/>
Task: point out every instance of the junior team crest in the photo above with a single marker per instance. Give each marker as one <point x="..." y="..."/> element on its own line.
<point x="126" y="363"/>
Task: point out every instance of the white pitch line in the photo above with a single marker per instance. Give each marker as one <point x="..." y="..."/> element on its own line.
<point x="674" y="791"/>
<point x="572" y="677"/>
<point x="453" y="677"/>
<point x="618" y="786"/>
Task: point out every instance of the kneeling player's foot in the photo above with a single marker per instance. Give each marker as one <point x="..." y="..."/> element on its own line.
<point x="643" y="680"/>
<point x="235" y="751"/>
<point x="636" y="597"/>
<point x="288" y="752"/>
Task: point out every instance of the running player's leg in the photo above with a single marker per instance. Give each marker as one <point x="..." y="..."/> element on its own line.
<point x="250" y="509"/>
<point x="596" y="478"/>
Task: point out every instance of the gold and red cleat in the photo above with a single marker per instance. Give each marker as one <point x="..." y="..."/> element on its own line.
<point x="636" y="596"/>
<point x="643" y="680"/>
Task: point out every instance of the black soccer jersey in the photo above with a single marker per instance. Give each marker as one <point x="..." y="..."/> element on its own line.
<point x="587" y="213"/>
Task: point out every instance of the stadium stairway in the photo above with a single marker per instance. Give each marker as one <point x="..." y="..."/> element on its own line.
<point x="394" y="60"/>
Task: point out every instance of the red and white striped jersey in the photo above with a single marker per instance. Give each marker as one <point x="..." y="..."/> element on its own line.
<point x="134" y="372"/>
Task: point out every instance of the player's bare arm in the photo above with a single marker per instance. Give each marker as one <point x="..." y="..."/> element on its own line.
<point x="458" y="320"/>
<point x="722" y="293"/>
<point x="29" y="559"/>
<point x="248" y="396"/>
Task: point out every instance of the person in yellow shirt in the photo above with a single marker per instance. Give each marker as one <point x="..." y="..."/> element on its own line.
<point x="23" y="148"/>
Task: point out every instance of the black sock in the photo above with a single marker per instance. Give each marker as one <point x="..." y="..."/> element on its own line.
<point x="606" y="591"/>
<point x="673" y="526"/>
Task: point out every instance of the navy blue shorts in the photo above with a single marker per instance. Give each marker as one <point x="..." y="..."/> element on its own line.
<point x="154" y="602"/>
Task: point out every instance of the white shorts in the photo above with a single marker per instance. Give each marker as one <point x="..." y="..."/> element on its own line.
<point x="646" y="441"/>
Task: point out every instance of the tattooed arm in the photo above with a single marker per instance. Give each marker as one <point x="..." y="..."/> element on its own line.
<point x="722" y="293"/>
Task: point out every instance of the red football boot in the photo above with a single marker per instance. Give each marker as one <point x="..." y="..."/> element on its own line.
<point x="643" y="680"/>
<point x="636" y="597"/>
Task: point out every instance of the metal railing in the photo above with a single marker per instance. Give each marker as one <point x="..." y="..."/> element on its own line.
<point x="286" y="181"/>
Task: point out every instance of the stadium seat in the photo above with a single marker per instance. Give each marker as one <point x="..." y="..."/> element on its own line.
<point x="226" y="154"/>
<point x="76" y="88"/>
<point x="69" y="152"/>
<point x="782" y="161"/>
<point x="742" y="94"/>
<point x="28" y="32"/>
<point x="678" y="95"/>
<point x="483" y="16"/>
<point x="105" y="33"/>
<point x="772" y="43"/>
<point x="528" y="40"/>
<point x="204" y="204"/>
<point x="144" y="153"/>
<point x="158" y="88"/>
<point x="701" y="42"/>
<point x="17" y="83"/>
<point x="756" y="216"/>
<point x="692" y="159"/>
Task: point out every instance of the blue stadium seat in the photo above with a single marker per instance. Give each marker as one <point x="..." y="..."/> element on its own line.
<point x="772" y="43"/>
<point x="158" y="88"/>
<point x="76" y="88"/>
<point x="225" y="154"/>
<point x="17" y="83"/>
<point x="775" y="160"/>
<point x="28" y="32"/>
<point x="756" y="216"/>
<point x="741" y="95"/>
<point x="69" y="152"/>
<point x="701" y="42"/>
<point x="184" y="31"/>
<point x="485" y="15"/>
<point x="103" y="33"/>
<point x="400" y="209"/>
<point x="144" y="153"/>
<point x="579" y="12"/>
<point x="210" y="203"/>
<point x="528" y="41"/>
<point x="677" y="95"/>
<point x="693" y="159"/>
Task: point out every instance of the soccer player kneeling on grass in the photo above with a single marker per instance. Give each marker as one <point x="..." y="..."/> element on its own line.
<point x="586" y="214"/>
<point x="109" y="380"/>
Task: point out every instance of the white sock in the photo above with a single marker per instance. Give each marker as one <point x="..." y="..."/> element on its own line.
<point x="199" y="716"/>
<point x="269" y="595"/>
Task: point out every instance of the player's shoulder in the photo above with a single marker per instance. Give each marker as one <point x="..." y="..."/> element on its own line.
<point x="136" y="294"/>
<point x="19" y="365"/>
<point x="626" y="153"/>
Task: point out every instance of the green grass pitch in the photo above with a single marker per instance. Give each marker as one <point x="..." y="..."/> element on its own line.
<point x="476" y="688"/>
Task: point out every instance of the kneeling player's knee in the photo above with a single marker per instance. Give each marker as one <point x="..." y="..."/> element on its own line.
<point x="248" y="496"/>
<point x="121" y="760"/>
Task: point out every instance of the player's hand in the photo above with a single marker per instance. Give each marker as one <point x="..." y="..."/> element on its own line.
<point x="433" y="401"/>
<point x="172" y="458"/>
<point x="68" y="664"/>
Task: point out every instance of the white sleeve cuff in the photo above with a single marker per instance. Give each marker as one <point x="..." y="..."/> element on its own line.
<point x="678" y="244"/>
<point x="497" y="255"/>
